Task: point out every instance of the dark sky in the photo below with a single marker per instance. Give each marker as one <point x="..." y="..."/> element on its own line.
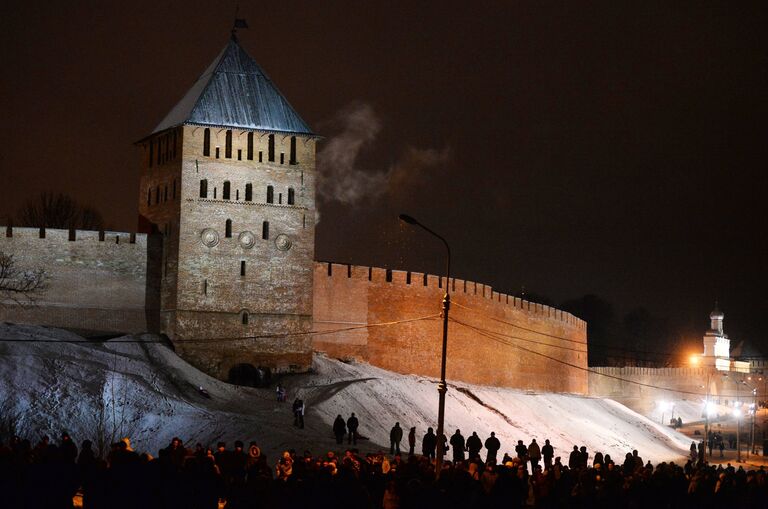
<point x="602" y="148"/>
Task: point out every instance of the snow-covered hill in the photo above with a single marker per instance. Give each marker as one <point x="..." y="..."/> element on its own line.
<point x="52" y="380"/>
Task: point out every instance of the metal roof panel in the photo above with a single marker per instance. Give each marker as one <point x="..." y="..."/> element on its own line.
<point x="235" y="92"/>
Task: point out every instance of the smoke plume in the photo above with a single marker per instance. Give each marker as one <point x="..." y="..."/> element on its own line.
<point x="340" y="176"/>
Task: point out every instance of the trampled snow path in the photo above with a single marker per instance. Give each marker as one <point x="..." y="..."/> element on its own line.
<point x="107" y="390"/>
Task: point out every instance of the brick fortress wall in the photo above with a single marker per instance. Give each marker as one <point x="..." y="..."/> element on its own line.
<point x="113" y="285"/>
<point x="106" y="281"/>
<point x="494" y="339"/>
<point x="641" y="389"/>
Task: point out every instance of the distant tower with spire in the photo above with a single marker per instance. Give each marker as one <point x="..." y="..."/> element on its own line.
<point x="717" y="346"/>
<point x="228" y="179"/>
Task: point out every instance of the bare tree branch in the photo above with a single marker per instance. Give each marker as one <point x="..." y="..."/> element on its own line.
<point x="21" y="286"/>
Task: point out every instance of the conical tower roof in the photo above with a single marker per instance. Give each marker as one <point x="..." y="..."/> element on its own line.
<point x="235" y="92"/>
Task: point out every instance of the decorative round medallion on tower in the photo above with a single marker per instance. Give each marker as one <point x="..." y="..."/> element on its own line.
<point x="282" y="242"/>
<point x="209" y="237"/>
<point x="247" y="240"/>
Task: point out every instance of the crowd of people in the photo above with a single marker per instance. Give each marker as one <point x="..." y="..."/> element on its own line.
<point x="48" y="475"/>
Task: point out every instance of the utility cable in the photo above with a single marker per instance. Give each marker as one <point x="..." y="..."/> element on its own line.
<point x="592" y="345"/>
<point x="581" y="368"/>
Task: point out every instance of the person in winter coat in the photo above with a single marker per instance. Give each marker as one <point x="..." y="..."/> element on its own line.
<point x="428" y="444"/>
<point x="492" y="445"/>
<point x="548" y="452"/>
<point x="474" y="444"/>
<point x="298" y="413"/>
<point x="584" y="458"/>
<point x="67" y="448"/>
<point x="574" y="460"/>
<point x="534" y="454"/>
<point x="352" y="424"/>
<point x="522" y="451"/>
<point x="411" y="441"/>
<point x="339" y="429"/>
<point x="458" y="443"/>
<point x="395" y="437"/>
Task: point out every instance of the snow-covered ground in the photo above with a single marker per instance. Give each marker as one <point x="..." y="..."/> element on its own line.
<point x="50" y="380"/>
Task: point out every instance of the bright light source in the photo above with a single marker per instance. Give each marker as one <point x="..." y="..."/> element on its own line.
<point x="695" y="359"/>
<point x="663" y="405"/>
<point x="711" y="408"/>
<point x="736" y="413"/>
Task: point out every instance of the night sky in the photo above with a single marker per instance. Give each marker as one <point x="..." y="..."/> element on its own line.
<point x="565" y="147"/>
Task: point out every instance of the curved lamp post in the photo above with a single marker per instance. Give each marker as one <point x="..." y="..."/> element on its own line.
<point x="442" y="387"/>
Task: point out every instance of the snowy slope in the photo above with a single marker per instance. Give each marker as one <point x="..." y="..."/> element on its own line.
<point x="51" y="380"/>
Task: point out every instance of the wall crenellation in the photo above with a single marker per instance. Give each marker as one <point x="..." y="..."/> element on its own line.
<point x="53" y="235"/>
<point x="419" y="279"/>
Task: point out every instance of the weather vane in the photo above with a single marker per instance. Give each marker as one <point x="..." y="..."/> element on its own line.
<point x="239" y="22"/>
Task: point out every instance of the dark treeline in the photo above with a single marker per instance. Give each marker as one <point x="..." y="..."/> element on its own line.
<point x="48" y="475"/>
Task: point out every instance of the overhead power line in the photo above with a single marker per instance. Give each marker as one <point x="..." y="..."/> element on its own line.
<point x="592" y="345"/>
<point x="581" y="368"/>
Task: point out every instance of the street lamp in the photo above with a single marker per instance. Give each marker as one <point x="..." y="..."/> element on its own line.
<point x="753" y="408"/>
<point x="442" y="387"/>
<point x="663" y="405"/>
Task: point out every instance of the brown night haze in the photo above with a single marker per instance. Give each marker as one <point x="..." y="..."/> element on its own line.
<point x="567" y="149"/>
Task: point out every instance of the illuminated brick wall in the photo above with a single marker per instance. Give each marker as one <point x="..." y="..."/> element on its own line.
<point x="495" y="339"/>
<point x="106" y="282"/>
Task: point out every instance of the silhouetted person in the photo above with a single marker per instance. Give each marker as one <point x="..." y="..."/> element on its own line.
<point x="583" y="457"/>
<point x="395" y="437"/>
<point x="492" y="445"/>
<point x="458" y="444"/>
<point x="428" y="444"/>
<point x="67" y="448"/>
<point x="352" y="424"/>
<point x="534" y="454"/>
<point x="412" y="441"/>
<point x="339" y="429"/>
<point x="298" y="413"/>
<point x="574" y="460"/>
<point x="548" y="452"/>
<point x="474" y="444"/>
<point x="522" y="451"/>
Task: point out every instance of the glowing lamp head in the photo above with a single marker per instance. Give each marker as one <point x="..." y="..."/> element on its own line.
<point x="711" y="408"/>
<point x="736" y="413"/>
<point x="695" y="359"/>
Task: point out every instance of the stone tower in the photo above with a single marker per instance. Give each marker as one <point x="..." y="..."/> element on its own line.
<point x="228" y="179"/>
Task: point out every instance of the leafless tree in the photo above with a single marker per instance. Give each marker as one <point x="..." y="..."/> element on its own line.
<point x="9" y="419"/>
<point x="49" y="210"/>
<point x="22" y="286"/>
